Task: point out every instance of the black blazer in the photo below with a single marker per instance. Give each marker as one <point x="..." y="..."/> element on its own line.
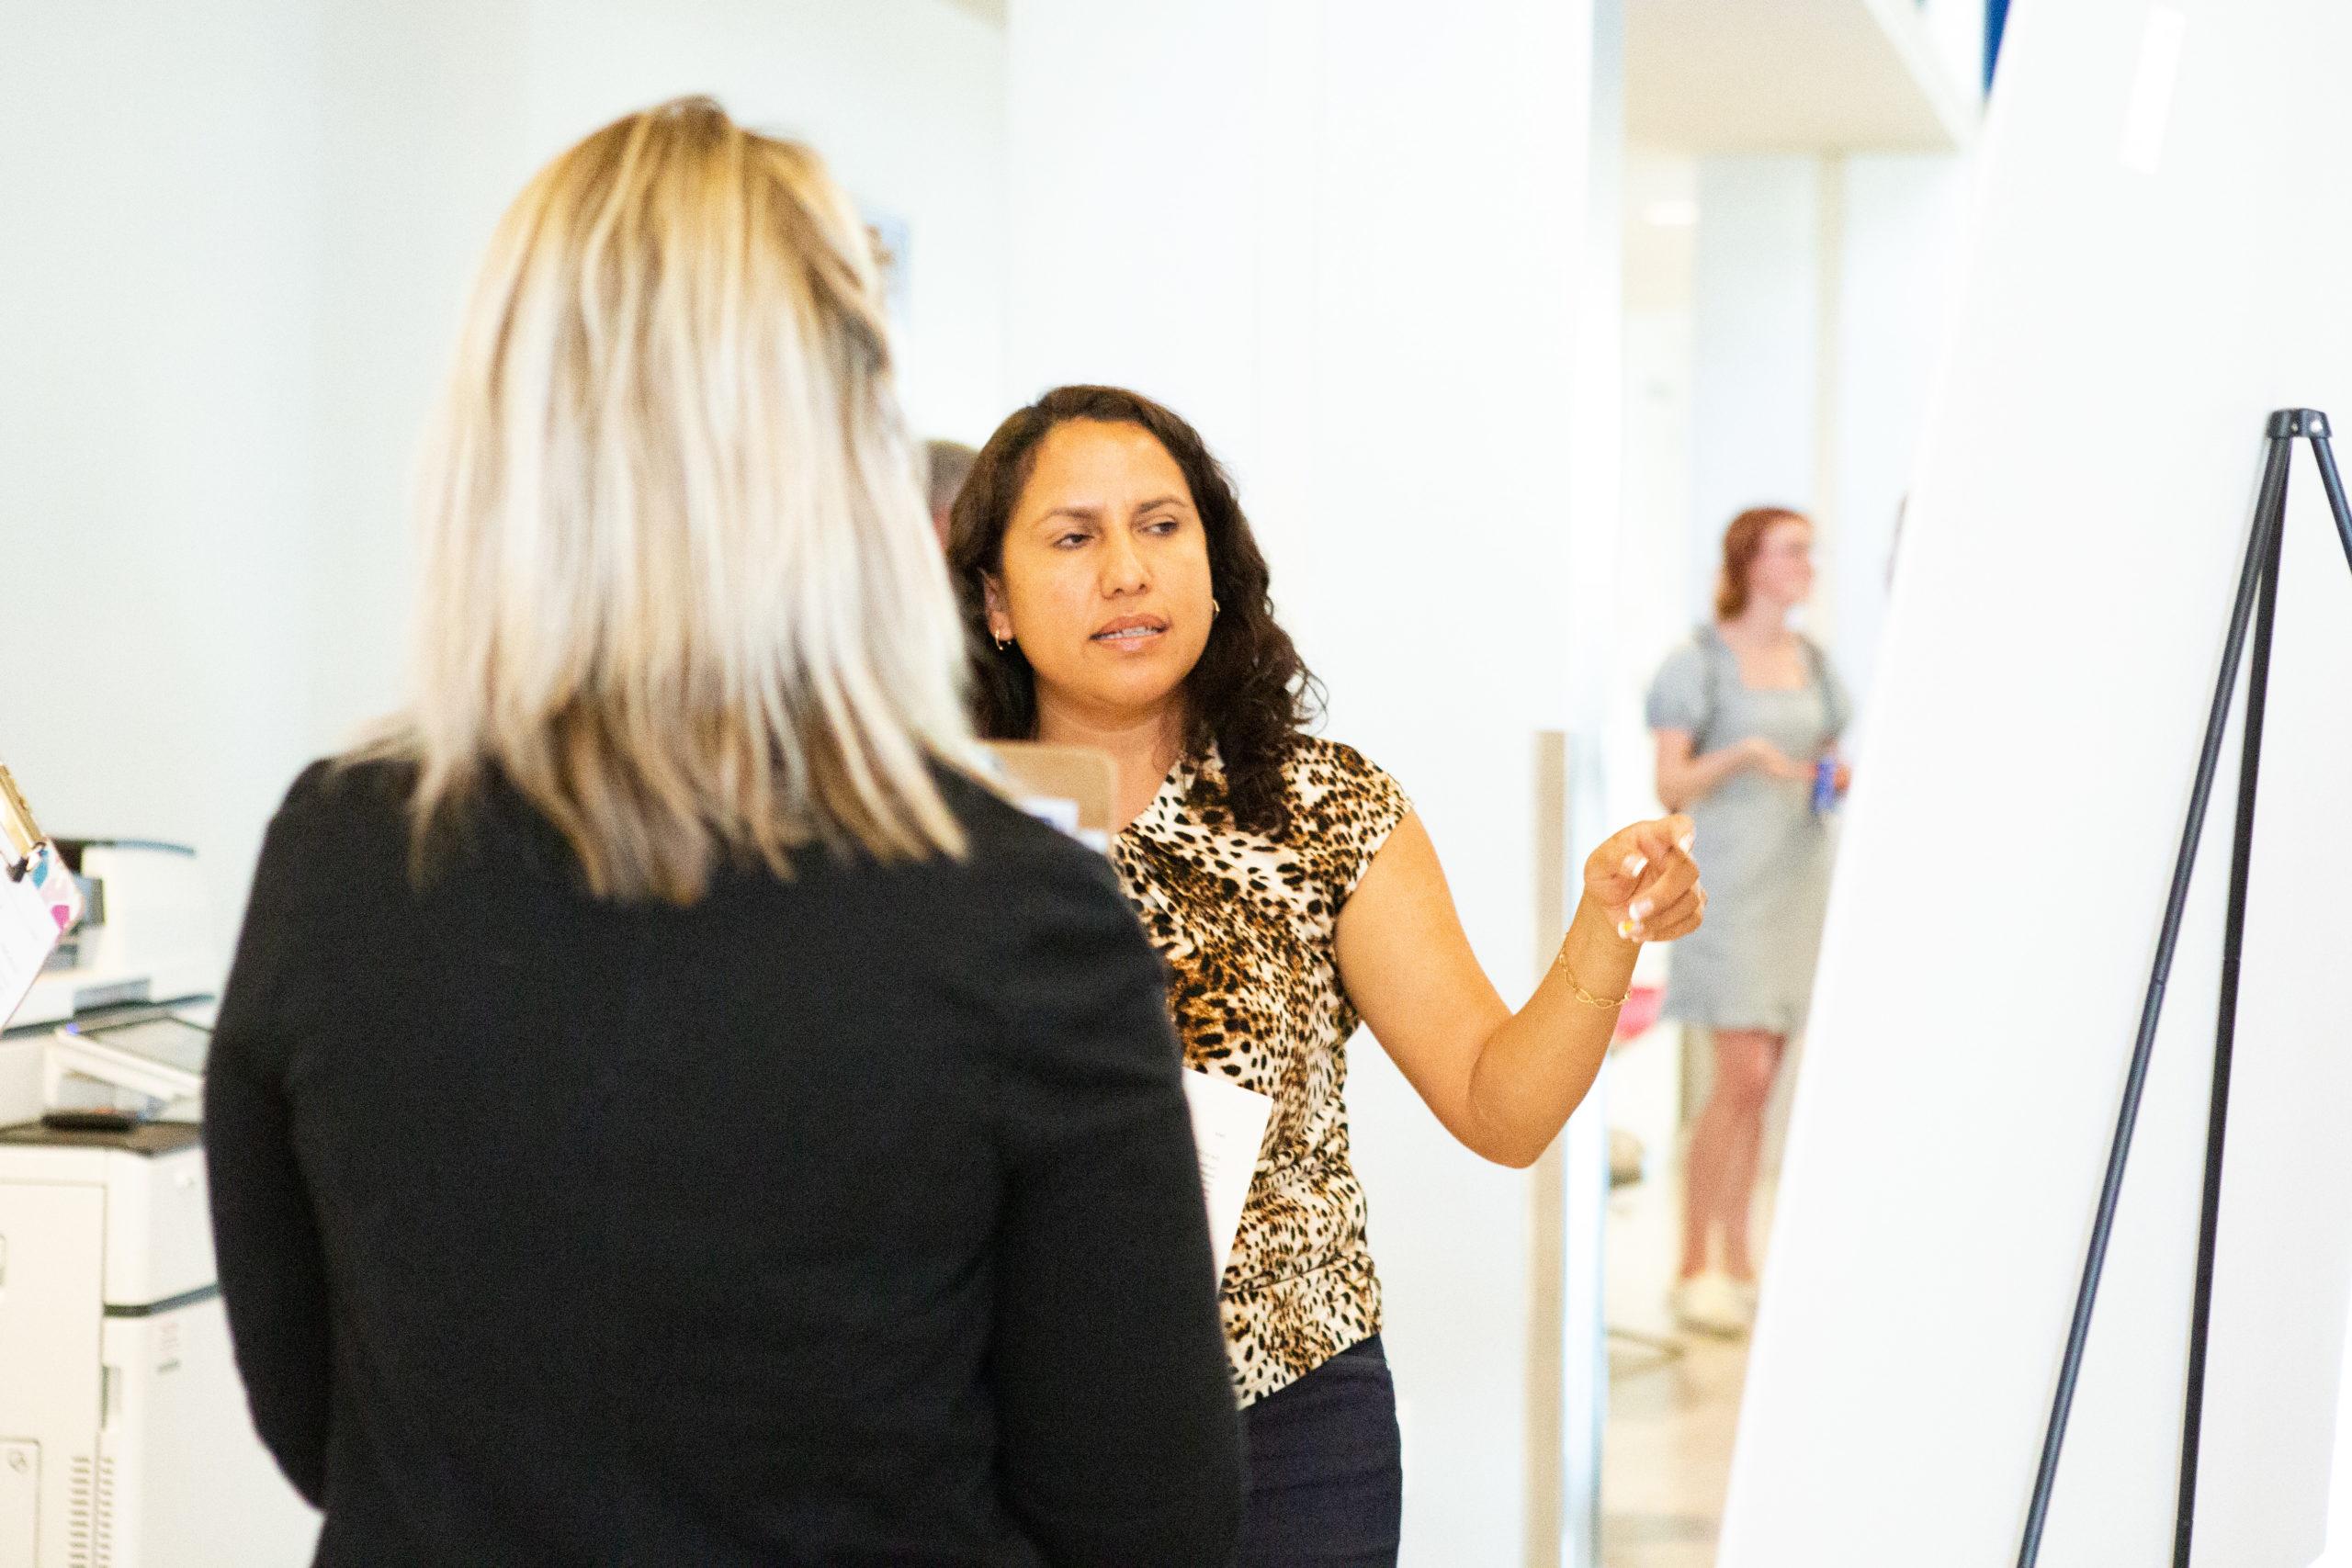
<point x="849" y="1220"/>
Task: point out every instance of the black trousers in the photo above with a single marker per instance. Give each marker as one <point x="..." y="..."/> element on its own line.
<point x="1326" y="1477"/>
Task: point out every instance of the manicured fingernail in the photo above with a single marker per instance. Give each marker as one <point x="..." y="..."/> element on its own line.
<point x="1640" y="911"/>
<point x="1636" y="865"/>
<point x="1686" y="842"/>
<point x="1629" y="931"/>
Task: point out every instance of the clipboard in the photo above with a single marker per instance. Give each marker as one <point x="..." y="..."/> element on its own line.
<point x="40" y="900"/>
<point x="1228" y="1134"/>
<point x="1068" y="786"/>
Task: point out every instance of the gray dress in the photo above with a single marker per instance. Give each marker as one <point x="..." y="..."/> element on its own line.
<point x="1764" y="853"/>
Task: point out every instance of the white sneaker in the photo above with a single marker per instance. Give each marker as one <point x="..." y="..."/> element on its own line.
<point x="1712" y="1303"/>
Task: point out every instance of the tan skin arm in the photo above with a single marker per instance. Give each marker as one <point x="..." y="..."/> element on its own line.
<point x="1505" y="1083"/>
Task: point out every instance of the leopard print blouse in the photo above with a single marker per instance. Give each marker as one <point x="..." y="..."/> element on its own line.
<point x="1246" y="925"/>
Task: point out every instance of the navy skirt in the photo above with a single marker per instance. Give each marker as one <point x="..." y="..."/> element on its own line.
<point x="1327" y="1478"/>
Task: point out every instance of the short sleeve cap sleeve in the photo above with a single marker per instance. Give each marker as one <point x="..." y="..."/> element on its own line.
<point x="1678" y="697"/>
<point x="1348" y="808"/>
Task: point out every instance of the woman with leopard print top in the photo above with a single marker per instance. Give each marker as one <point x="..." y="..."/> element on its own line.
<point x="1117" y="600"/>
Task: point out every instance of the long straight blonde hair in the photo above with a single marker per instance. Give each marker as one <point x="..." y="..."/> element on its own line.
<point x="680" y="588"/>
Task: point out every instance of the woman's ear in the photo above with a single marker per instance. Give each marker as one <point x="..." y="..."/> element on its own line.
<point x="999" y="618"/>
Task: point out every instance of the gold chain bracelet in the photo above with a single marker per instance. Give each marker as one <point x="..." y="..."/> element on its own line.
<point x="1606" y="1004"/>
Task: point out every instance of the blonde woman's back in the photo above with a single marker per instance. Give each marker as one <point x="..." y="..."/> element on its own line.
<point x="847" y="1220"/>
<point x="664" y="1110"/>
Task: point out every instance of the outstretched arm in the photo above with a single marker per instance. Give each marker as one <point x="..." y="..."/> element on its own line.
<point x="1505" y="1082"/>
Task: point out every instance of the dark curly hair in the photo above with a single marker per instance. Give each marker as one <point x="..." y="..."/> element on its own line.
<point x="1249" y="692"/>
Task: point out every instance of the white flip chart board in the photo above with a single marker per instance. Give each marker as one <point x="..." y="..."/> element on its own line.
<point x="2157" y="261"/>
<point x="2339" y="1485"/>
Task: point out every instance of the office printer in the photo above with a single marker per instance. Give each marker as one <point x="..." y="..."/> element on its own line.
<point x="144" y="938"/>
<point x="124" y="1440"/>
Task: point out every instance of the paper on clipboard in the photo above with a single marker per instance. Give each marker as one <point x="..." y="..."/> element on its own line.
<point x="40" y="900"/>
<point x="1228" y="1127"/>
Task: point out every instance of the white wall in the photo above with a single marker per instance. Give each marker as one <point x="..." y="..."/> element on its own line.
<point x="904" y="97"/>
<point x="237" y="244"/>
<point x="421" y="138"/>
<point x="161" y="313"/>
<point x="1660" y="558"/>
<point x="2078" y="520"/>
<point x="1821" y="290"/>
<point x="1756" y="329"/>
<point x="1351" y="251"/>
<point x="1591" y="451"/>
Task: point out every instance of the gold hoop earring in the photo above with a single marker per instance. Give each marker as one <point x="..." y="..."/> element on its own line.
<point x="1216" y="609"/>
<point x="1003" y="643"/>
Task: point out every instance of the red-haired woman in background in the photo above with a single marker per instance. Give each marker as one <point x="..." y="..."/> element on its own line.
<point x="1747" y="713"/>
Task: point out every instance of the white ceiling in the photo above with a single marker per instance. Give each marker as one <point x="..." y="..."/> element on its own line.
<point x="1789" y="76"/>
<point x="1774" y="75"/>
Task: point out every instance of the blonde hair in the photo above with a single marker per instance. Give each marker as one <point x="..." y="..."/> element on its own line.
<point x="680" y="588"/>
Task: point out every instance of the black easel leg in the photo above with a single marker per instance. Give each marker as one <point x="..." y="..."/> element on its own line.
<point x="2331" y="480"/>
<point x="2272" y="503"/>
<point x="2225" y="1028"/>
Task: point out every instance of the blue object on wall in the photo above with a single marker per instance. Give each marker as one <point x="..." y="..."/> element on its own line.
<point x="1996" y="20"/>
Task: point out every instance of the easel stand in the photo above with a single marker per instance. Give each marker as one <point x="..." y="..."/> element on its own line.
<point x="2257" y="610"/>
